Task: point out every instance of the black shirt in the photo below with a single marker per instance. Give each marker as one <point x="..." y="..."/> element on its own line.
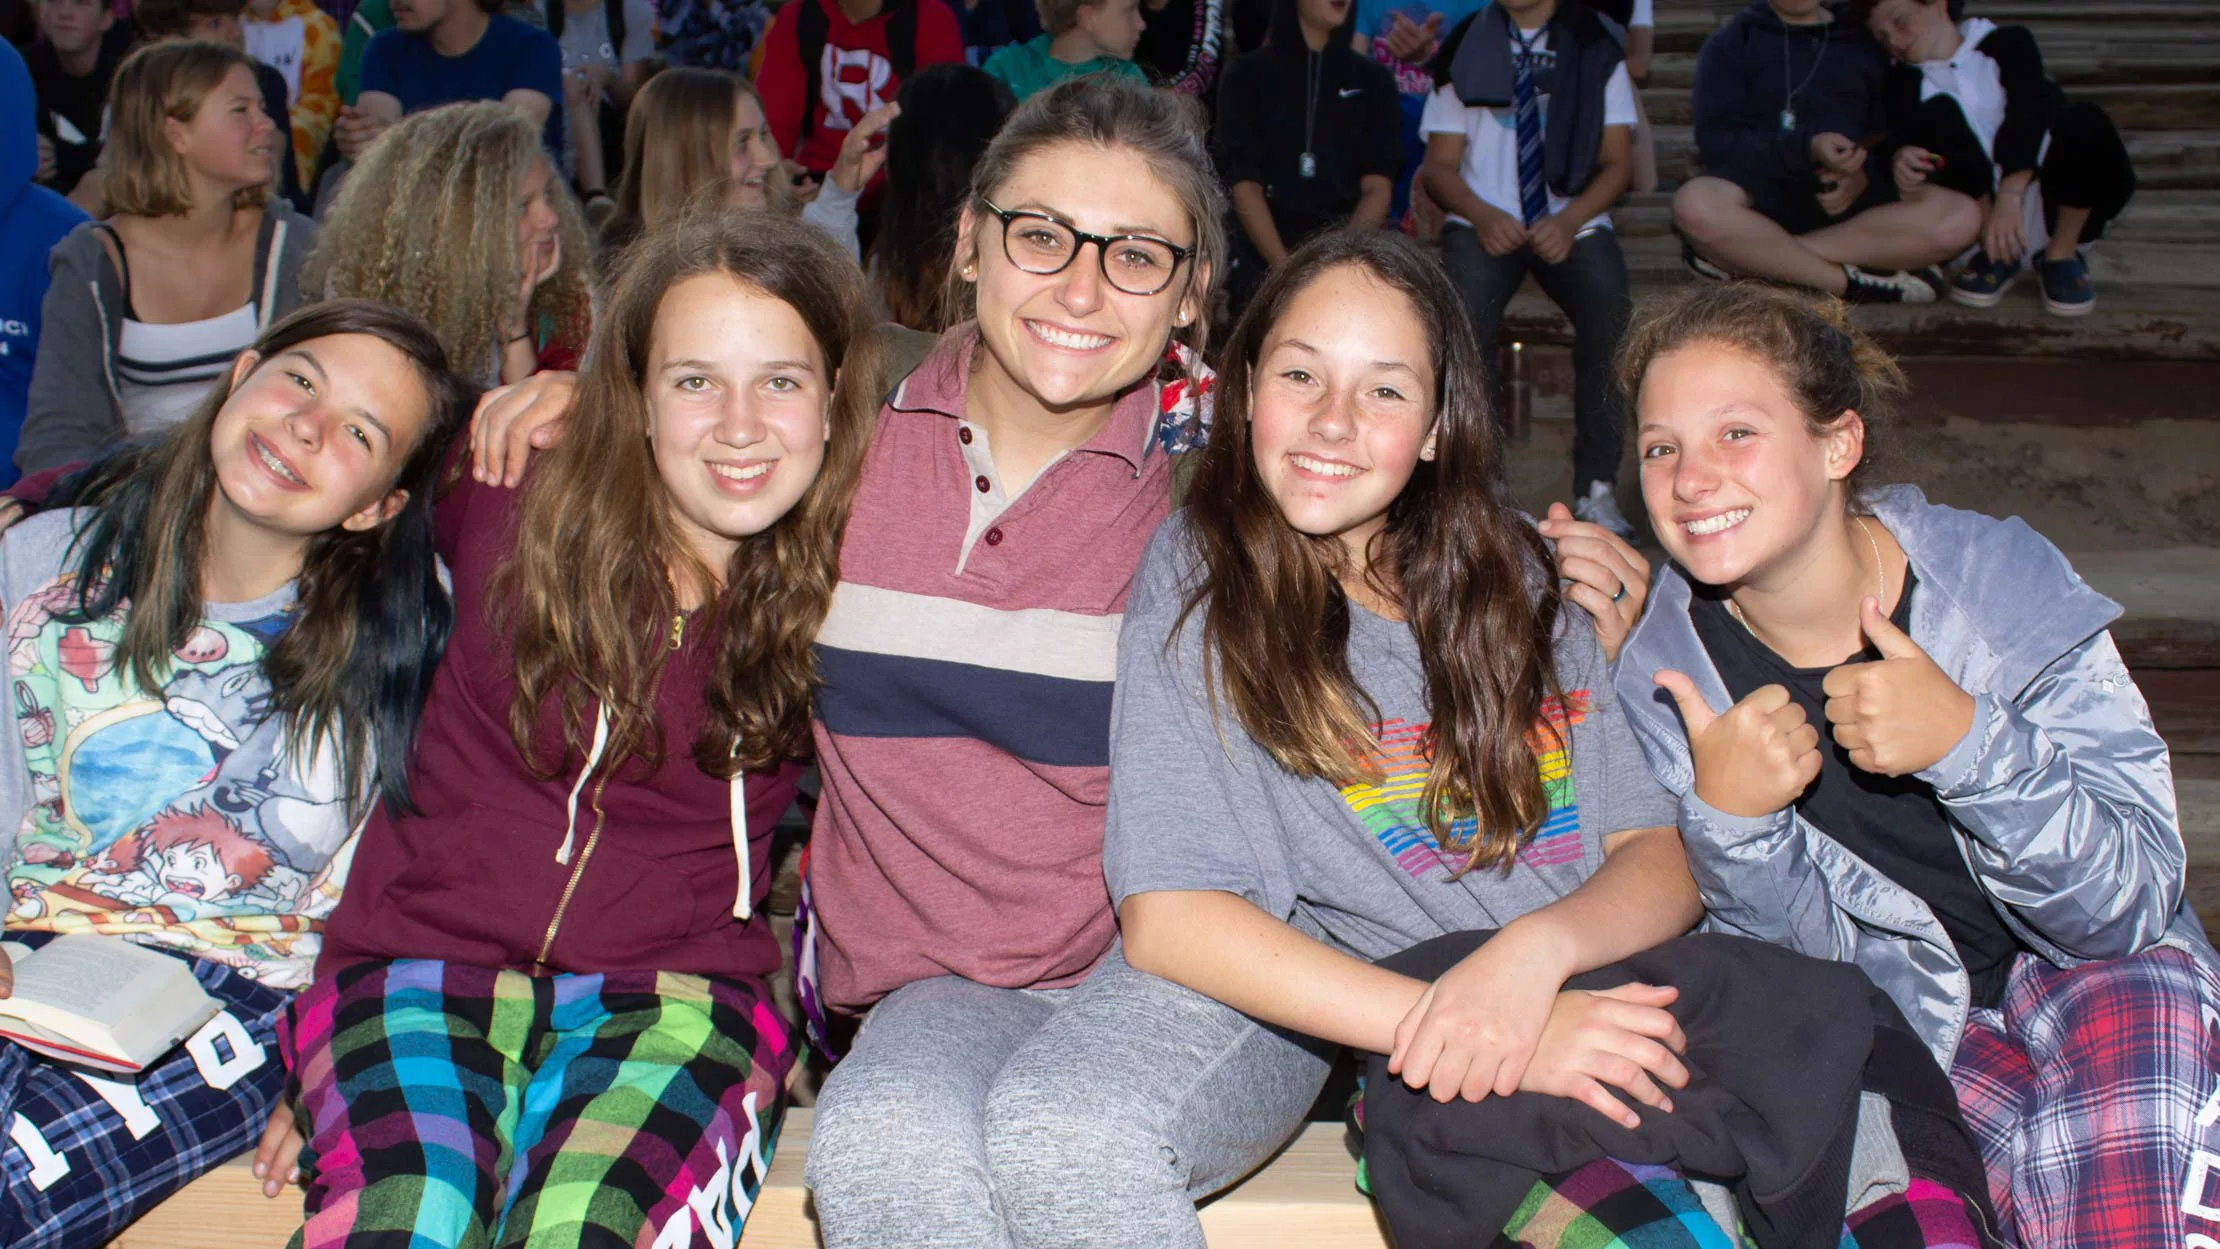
<point x="1262" y="113"/>
<point x="272" y="84"/>
<point x="73" y="110"/>
<point x="1894" y="823"/>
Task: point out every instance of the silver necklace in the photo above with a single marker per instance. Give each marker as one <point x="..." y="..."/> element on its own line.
<point x="1788" y="105"/>
<point x="1880" y="581"/>
<point x="1314" y="73"/>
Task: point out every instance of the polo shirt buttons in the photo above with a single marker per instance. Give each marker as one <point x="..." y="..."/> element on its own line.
<point x="994" y="537"/>
<point x="963" y="435"/>
<point x="983" y="484"/>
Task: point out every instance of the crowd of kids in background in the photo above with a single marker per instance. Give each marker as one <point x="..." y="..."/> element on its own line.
<point x="475" y="461"/>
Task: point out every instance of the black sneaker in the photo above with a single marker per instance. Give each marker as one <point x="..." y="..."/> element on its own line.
<point x="1699" y="266"/>
<point x="1865" y="286"/>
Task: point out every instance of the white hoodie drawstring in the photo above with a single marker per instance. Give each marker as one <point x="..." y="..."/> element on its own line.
<point x="593" y="756"/>
<point x="741" y="906"/>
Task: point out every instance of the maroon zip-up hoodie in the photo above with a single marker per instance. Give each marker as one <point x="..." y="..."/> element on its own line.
<point x="473" y="877"/>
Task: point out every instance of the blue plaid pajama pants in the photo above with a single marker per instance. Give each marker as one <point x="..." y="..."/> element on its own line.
<point x="84" y="1155"/>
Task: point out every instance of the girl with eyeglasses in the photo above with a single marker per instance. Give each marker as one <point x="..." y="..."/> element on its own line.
<point x="1014" y="1082"/>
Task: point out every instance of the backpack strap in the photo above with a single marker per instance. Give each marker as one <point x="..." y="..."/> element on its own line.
<point x="901" y="38"/>
<point x="811" y="29"/>
<point x="123" y="265"/>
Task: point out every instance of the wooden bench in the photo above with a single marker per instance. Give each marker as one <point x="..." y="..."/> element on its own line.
<point x="1304" y="1199"/>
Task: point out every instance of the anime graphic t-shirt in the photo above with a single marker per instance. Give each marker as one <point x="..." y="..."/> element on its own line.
<point x="178" y="816"/>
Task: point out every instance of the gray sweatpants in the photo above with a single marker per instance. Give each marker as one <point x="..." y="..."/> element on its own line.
<point x="980" y="1118"/>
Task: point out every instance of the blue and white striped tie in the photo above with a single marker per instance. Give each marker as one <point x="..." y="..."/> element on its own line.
<point x="1533" y="188"/>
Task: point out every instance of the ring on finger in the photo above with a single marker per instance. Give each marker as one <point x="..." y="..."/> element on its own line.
<point x="1620" y="593"/>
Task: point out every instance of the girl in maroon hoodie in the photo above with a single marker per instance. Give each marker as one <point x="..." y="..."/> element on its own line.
<point x="541" y="1012"/>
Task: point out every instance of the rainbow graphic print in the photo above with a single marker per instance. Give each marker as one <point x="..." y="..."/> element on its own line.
<point x="1389" y="807"/>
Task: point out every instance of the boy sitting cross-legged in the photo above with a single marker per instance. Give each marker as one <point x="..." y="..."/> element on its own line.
<point x="2050" y="174"/>
<point x="1799" y="179"/>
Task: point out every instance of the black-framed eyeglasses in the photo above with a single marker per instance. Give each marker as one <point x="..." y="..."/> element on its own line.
<point x="1138" y="264"/>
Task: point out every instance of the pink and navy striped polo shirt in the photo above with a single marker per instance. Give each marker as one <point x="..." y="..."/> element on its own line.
<point x="963" y="721"/>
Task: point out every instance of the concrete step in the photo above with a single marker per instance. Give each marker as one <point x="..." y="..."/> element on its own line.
<point x="2185" y="704"/>
<point x="1682" y="27"/>
<point x="2156" y="301"/>
<point x="2166" y="57"/>
<point x="2172" y="600"/>
<point x="1655" y="259"/>
<point x="2129" y="323"/>
<point x="2164" y="159"/>
<point x="2133" y="106"/>
<point x="2161" y="216"/>
<point x="2011" y="11"/>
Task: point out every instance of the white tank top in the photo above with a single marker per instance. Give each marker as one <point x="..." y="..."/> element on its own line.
<point x="166" y="369"/>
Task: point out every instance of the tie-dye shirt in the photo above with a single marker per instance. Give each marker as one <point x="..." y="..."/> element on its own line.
<point x="179" y="816"/>
<point x="1194" y="804"/>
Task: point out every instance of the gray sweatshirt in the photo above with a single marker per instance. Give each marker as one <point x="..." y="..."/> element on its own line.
<point x="75" y="408"/>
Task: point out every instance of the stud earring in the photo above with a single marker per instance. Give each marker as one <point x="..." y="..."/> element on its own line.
<point x="1427" y="452"/>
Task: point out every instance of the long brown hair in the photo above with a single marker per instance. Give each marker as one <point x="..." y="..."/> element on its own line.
<point x="586" y="596"/>
<point x="427" y="222"/>
<point x="675" y="150"/>
<point x="1829" y="365"/>
<point x="950" y="113"/>
<point x="1470" y="574"/>
<point x="372" y="618"/>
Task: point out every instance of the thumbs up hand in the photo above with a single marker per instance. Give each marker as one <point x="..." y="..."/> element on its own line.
<point x="1754" y="760"/>
<point x="1901" y="714"/>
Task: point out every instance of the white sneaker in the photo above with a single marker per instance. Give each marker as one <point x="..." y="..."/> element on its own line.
<point x="1601" y="507"/>
<point x="1869" y="286"/>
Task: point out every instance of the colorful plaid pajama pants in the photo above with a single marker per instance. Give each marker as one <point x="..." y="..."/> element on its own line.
<point x="2095" y="1094"/>
<point x="83" y="1155"/>
<point x="1610" y="1204"/>
<point x="460" y="1106"/>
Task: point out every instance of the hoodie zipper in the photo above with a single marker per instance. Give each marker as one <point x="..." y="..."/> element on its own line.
<point x="586" y="853"/>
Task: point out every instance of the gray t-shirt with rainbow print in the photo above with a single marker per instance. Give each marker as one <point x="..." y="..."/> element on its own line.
<point x="1196" y="805"/>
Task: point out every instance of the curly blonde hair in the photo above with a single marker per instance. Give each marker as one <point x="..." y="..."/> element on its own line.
<point x="426" y="222"/>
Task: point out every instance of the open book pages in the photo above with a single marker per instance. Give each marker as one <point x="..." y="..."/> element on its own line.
<point x="102" y="1002"/>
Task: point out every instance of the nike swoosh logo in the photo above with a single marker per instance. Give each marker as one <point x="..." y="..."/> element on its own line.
<point x="1348" y="92"/>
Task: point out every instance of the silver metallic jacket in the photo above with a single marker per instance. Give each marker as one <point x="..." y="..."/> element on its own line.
<point x="2061" y="795"/>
